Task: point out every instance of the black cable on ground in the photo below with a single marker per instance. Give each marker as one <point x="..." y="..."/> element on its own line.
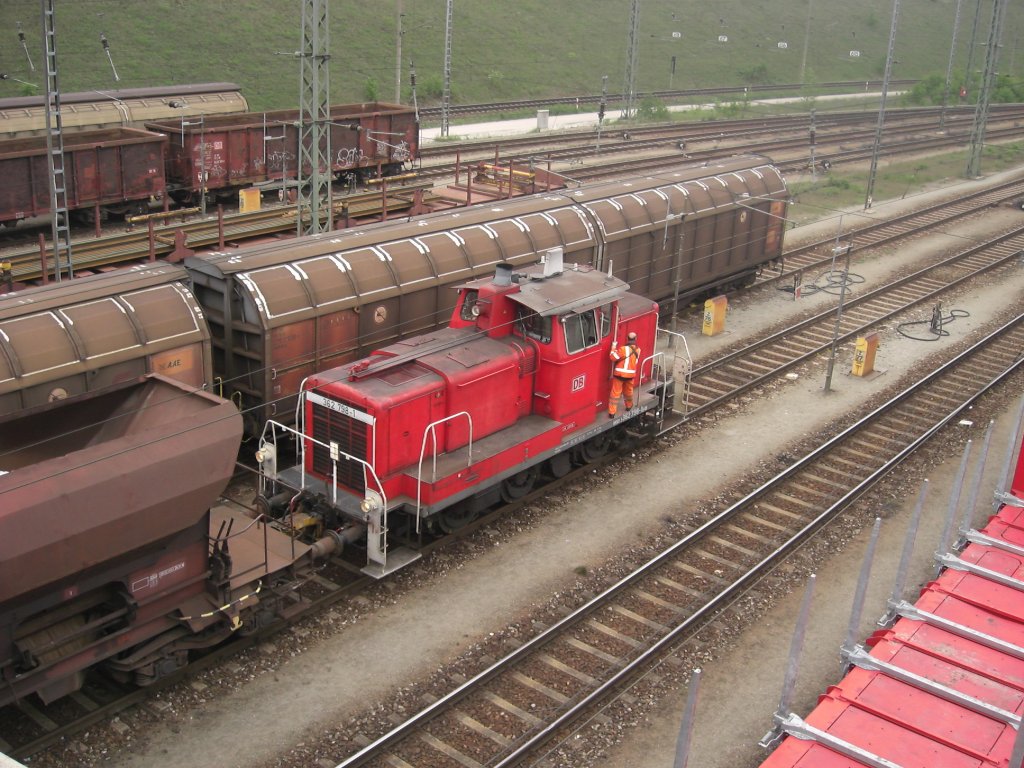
<point x="833" y="283"/>
<point x="935" y="324"/>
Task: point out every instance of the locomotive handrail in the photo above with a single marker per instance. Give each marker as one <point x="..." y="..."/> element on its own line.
<point x="303" y="439"/>
<point x="432" y="431"/>
<point x="687" y="361"/>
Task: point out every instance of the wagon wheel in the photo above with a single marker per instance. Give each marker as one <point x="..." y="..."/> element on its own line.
<point x="520" y="484"/>
<point x="594" y="448"/>
<point x="455" y="517"/>
<point x="559" y="465"/>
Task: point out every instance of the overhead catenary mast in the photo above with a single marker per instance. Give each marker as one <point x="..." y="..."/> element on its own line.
<point x="949" y="67"/>
<point x="869" y="195"/>
<point x="399" y="16"/>
<point x="446" y="94"/>
<point x="55" y="150"/>
<point x="632" y="46"/>
<point x="988" y="78"/>
<point x="314" y="120"/>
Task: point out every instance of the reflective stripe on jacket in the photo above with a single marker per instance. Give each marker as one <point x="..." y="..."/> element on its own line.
<point x="626" y="358"/>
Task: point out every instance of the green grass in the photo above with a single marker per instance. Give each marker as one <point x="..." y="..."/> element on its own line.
<point x="844" y="190"/>
<point x="501" y="49"/>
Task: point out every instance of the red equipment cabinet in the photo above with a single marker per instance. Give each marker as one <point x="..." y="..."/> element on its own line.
<point x="440" y="426"/>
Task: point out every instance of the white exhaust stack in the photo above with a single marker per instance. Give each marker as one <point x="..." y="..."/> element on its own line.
<point x="553" y="262"/>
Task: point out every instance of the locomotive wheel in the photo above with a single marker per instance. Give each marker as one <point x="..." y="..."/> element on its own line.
<point x="594" y="448"/>
<point x="559" y="465"/>
<point x="520" y="484"/>
<point x="455" y="517"/>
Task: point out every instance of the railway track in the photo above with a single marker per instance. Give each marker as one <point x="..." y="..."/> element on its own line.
<point x="567" y="144"/>
<point x="94" y="254"/>
<point x="810" y="256"/>
<point x="691" y="93"/>
<point x="30" y="727"/>
<point x="724" y="378"/>
<point x="793" y="164"/>
<point x="551" y="685"/>
<point x="711" y="386"/>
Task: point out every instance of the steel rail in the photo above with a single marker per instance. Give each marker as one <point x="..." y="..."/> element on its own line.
<point x="925" y="119"/>
<point x="726" y="595"/>
<point x="107" y="710"/>
<point x="501" y="106"/>
<point x="891" y="230"/>
<point x="994" y="253"/>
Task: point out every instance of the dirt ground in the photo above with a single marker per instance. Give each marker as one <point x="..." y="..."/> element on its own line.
<point x="446" y="610"/>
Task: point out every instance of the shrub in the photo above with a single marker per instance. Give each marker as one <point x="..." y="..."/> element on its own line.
<point x="652" y="110"/>
<point x="371" y="90"/>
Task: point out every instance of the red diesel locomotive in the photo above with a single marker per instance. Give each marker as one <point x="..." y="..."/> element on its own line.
<point x="426" y="433"/>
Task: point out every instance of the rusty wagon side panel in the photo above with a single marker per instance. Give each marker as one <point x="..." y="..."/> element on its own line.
<point x="112" y="168"/>
<point x="231" y="151"/>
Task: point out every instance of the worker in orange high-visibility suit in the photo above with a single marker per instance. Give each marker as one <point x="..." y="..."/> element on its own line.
<point x="625" y="359"/>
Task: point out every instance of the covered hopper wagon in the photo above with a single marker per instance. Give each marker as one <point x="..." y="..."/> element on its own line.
<point x="80" y="336"/>
<point x="284" y="311"/>
<point x="104" y="525"/>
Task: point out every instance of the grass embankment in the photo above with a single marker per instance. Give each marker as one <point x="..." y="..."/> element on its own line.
<point x="500" y="50"/>
<point x="844" y="189"/>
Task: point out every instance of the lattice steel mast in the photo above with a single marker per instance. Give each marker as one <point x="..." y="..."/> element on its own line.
<point x="446" y="95"/>
<point x="314" y="120"/>
<point x="55" y="149"/>
<point x="869" y="196"/>
<point x="969" y="71"/>
<point x="632" y="54"/>
<point x="949" y="67"/>
<point x="988" y="78"/>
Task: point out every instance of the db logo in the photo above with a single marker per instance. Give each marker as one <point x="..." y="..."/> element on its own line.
<point x="579" y="383"/>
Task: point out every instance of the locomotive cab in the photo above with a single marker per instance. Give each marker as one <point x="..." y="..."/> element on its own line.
<point x="438" y="427"/>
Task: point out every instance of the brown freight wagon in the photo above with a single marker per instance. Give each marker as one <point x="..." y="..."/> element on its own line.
<point x="117" y="170"/>
<point x="233" y="151"/>
<point x="104" y="528"/>
<point x="83" y="335"/>
<point x="283" y="311"/>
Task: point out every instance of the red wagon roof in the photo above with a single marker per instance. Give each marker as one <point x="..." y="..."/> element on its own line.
<point x="944" y="686"/>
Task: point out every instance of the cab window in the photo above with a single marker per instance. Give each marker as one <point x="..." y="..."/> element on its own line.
<point x="469" y="310"/>
<point x="581" y="330"/>
<point x="533" y="326"/>
<point x="604" y="320"/>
